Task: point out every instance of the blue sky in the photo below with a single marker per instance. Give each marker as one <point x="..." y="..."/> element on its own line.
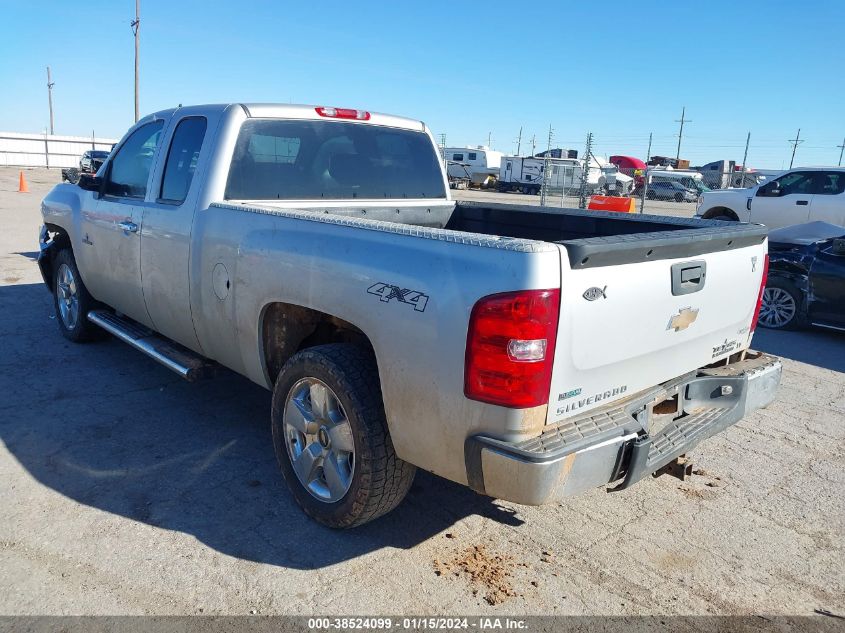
<point x="618" y="69"/>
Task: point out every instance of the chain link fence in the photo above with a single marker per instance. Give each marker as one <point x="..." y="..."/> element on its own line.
<point x="569" y="178"/>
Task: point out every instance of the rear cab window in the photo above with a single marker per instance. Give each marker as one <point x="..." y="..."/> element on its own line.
<point x="277" y="159"/>
<point x="182" y="159"/>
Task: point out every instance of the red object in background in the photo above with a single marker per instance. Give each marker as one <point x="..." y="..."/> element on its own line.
<point x="627" y="162"/>
<point x="612" y="203"/>
<point x="628" y="165"/>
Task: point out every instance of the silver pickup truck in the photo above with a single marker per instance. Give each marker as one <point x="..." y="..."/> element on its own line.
<point x="529" y="353"/>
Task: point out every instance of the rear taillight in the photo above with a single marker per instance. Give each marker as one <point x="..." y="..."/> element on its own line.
<point x="343" y="113"/>
<point x="760" y="294"/>
<point x="510" y="348"/>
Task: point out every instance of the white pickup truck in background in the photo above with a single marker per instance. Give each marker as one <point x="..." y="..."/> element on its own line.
<point x="795" y="197"/>
<point x="529" y="353"/>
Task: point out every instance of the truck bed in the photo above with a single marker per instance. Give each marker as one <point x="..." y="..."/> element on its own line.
<point x="596" y="238"/>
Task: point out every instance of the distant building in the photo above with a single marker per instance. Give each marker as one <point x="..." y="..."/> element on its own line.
<point x="558" y="152"/>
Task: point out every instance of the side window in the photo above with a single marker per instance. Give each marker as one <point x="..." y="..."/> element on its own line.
<point x="830" y="183"/>
<point x="457" y="157"/>
<point x="182" y="159"/>
<point x="472" y="156"/>
<point x="795" y="182"/>
<point x="130" y="167"/>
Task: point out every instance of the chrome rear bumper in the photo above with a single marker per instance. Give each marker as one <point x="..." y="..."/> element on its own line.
<point x="624" y="441"/>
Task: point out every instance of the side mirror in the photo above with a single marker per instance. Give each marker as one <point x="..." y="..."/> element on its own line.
<point x="90" y="182"/>
<point x="839" y="246"/>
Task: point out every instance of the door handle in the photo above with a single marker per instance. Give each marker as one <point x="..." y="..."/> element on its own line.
<point x="129" y="227"/>
<point x="803" y="203"/>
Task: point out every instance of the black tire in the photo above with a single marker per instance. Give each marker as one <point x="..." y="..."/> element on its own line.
<point x="79" y="329"/>
<point x="379" y="480"/>
<point x="679" y="197"/>
<point x="792" y="299"/>
<point x="724" y="218"/>
<point x="651" y="195"/>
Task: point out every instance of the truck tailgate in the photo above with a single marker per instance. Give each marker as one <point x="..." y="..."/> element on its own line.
<point x="629" y="323"/>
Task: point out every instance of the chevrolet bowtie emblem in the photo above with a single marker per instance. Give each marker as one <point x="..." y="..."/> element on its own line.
<point x="683" y="319"/>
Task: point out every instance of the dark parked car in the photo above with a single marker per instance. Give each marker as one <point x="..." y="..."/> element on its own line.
<point x="806" y="283"/>
<point x="671" y="191"/>
<point x="92" y="159"/>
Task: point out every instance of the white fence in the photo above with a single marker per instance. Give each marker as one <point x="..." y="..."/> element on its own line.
<point x="46" y="150"/>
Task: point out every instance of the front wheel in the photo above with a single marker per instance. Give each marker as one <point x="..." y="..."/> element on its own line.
<point x="72" y="300"/>
<point x="331" y="438"/>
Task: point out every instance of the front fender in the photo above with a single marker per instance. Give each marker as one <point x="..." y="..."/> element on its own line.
<point x="47" y="249"/>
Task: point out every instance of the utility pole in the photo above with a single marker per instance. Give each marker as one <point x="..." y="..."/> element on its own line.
<point x="645" y="176"/>
<point x="682" y="120"/>
<point x="136" y="26"/>
<point x="533" y="144"/>
<point x="519" y="141"/>
<point x="582" y="194"/>
<point x="50" y="85"/>
<point x="795" y="142"/>
<point x="744" y="159"/>
<point x="443" y="149"/>
<point x="841" y="149"/>
<point x="544" y="187"/>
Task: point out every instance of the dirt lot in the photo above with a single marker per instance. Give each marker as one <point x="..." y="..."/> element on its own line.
<point x="127" y="491"/>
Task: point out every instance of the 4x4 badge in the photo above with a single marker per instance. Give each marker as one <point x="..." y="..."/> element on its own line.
<point x="591" y="294"/>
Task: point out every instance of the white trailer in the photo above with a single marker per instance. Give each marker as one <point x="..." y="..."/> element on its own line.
<point x="525" y="175"/>
<point x="479" y="163"/>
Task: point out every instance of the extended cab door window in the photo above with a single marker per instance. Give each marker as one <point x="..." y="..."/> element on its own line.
<point x="182" y="159"/>
<point x="130" y="168"/>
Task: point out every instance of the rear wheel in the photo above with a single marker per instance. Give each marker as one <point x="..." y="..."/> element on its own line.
<point x="679" y="197"/>
<point x="782" y="306"/>
<point x="331" y="439"/>
<point x="72" y="300"/>
<point x="651" y="194"/>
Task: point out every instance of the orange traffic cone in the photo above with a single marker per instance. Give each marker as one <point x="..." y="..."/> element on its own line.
<point x="22" y="186"/>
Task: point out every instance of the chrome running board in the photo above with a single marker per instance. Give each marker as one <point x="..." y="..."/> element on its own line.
<point x="189" y="365"/>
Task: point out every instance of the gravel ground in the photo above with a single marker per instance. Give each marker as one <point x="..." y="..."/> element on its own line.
<point x="127" y="491"/>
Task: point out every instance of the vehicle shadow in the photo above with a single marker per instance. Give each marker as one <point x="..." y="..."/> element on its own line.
<point x="107" y="427"/>
<point x="814" y="346"/>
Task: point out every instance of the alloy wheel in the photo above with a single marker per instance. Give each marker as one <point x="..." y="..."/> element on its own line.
<point x="319" y="440"/>
<point x="778" y="308"/>
<point x="67" y="296"/>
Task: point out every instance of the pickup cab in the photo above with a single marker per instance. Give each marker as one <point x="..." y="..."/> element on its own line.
<point x="797" y="196"/>
<point x="527" y="352"/>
